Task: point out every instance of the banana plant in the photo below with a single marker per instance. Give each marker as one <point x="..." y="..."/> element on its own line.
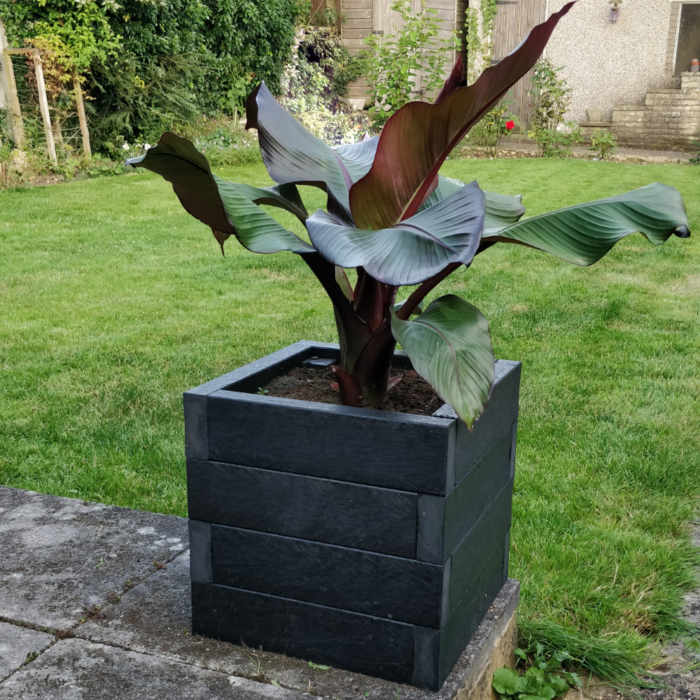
<point x="394" y="219"/>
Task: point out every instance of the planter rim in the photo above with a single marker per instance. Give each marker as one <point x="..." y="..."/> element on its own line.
<point x="224" y="387"/>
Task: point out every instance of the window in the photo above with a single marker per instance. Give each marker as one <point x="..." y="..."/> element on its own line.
<point x="688" y="37"/>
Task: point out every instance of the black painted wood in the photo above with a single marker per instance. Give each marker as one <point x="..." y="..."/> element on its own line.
<point x="476" y="492"/>
<point x="254" y="373"/>
<point x="200" y="551"/>
<point x="318" y="362"/>
<point x="501" y="412"/>
<point x="393" y="450"/>
<point x="486" y="537"/>
<point x="426" y="658"/>
<point x="196" y="439"/>
<point x="444" y="522"/>
<point x="320" y="510"/>
<point x="362" y="539"/>
<point x="469" y="612"/>
<point x="365" y="582"/>
<point x="343" y="639"/>
<point x="430" y="546"/>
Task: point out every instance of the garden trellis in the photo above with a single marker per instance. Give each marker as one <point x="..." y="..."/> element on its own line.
<point x="11" y="96"/>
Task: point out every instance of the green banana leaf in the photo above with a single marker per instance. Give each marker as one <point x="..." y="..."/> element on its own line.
<point x="584" y="233"/>
<point x="228" y="208"/>
<point x="414" y="250"/>
<point x="449" y="345"/>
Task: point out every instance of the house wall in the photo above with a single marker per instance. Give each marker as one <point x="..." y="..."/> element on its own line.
<point x="611" y="64"/>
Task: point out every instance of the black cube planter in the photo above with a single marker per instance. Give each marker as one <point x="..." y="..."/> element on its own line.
<point x="367" y="540"/>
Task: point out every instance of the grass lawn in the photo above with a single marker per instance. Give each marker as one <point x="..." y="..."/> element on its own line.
<point x="114" y="301"/>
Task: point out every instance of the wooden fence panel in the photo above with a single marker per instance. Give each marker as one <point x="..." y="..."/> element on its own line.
<point x="514" y="21"/>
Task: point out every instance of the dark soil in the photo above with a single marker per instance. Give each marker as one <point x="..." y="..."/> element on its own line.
<point x="411" y="395"/>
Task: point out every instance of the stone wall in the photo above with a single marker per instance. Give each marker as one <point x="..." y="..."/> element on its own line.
<point x="669" y="118"/>
<point x="609" y="64"/>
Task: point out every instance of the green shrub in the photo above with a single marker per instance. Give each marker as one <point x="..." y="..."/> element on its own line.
<point x="556" y="144"/>
<point x="545" y="679"/>
<point x="224" y="142"/>
<point x="554" y="137"/>
<point x="131" y="102"/>
<point x="492" y="128"/>
<point x="478" y="29"/>
<point x="314" y="82"/>
<point x="603" y="143"/>
<point x="695" y="160"/>
<point x="255" y="36"/>
<point x="151" y="65"/>
<point x="393" y="63"/>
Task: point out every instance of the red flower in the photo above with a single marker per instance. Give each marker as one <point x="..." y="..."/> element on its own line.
<point x="510" y="125"/>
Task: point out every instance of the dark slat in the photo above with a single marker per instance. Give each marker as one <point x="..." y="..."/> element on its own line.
<point x="474" y="495"/>
<point x="431" y="529"/>
<point x="501" y="412"/>
<point x="444" y="522"/>
<point x="342" y="639"/>
<point x="200" y="551"/>
<point x="426" y="658"/>
<point x="468" y="614"/>
<point x="484" y="539"/>
<point x="196" y="441"/>
<point x="366" y="446"/>
<point x="321" y="510"/>
<point x="283" y="359"/>
<point x="364" y="582"/>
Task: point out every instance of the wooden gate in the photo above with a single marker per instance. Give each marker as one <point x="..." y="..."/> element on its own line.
<point x="514" y="20"/>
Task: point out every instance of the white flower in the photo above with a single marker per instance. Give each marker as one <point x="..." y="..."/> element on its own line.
<point x="125" y="146"/>
<point x="146" y="146"/>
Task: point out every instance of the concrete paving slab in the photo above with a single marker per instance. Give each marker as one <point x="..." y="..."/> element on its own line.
<point x="61" y="556"/>
<point x="64" y="556"/>
<point x="11" y="498"/>
<point x="155" y="618"/>
<point x="75" y="669"/>
<point x="17" y="645"/>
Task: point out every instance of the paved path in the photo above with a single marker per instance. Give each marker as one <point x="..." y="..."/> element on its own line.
<point x="95" y="605"/>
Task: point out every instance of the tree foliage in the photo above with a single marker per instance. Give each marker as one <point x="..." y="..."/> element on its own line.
<point x="151" y="65"/>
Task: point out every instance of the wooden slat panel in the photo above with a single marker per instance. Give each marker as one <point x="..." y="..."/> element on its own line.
<point x="374" y="584"/>
<point x="441" y="4"/>
<point x="360" y="13"/>
<point x="356" y="33"/>
<point x="446" y="15"/>
<point x="514" y="21"/>
<point x="342" y="639"/>
<point x="365" y="24"/>
<point x="380" y="520"/>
